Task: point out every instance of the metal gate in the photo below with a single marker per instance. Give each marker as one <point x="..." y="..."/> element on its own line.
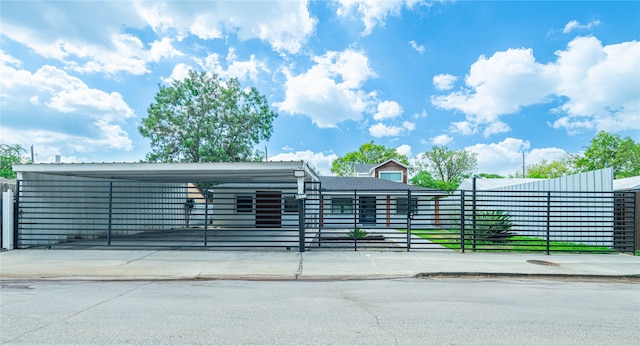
<point x="62" y="212"/>
<point x="100" y="213"/>
<point x="545" y="221"/>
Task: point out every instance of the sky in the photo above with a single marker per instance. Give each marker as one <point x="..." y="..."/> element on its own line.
<point x="498" y="78"/>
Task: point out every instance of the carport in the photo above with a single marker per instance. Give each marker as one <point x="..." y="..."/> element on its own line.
<point x="175" y="205"/>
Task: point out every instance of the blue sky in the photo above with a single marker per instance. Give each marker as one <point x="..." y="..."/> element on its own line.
<point x="498" y="78"/>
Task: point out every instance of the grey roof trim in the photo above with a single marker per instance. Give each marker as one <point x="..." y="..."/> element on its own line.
<point x="273" y="171"/>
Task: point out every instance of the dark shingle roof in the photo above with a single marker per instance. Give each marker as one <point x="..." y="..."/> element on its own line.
<point x="369" y="183"/>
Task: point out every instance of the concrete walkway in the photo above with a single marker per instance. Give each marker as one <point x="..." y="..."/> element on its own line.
<point x="321" y="265"/>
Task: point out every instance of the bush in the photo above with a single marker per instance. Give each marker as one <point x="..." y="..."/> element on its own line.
<point x="493" y="226"/>
<point x="357" y="233"/>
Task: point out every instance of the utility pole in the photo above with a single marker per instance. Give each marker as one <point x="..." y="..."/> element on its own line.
<point x="32" y="161"/>
<point x="523" y="163"/>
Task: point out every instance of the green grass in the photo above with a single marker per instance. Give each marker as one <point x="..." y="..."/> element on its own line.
<point x="451" y="240"/>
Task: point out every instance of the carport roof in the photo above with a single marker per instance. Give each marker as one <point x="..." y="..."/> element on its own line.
<point x="279" y="171"/>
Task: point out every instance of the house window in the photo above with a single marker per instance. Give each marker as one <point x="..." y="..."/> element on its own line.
<point x="401" y="206"/>
<point x="393" y="176"/>
<point x="290" y="204"/>
<point x="244" y="204"/>
<point x="342" y="205"/>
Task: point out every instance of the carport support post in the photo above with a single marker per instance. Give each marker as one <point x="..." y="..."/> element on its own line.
<point x="206" y="212"/>
<point x="409" y="217"/>
<point x="462" y="220"/>
<point x="110" y="212"/>
<point x="301" y="229"/>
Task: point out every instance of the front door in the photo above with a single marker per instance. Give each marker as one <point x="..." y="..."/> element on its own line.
<point x="268" y="209"/>
<point x="367" y="210"/>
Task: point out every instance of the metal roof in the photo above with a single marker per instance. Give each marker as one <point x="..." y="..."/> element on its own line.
<point x="279" y="171"/>
<point x="631" y="183"/>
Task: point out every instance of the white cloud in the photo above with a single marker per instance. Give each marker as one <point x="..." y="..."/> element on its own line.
<point x="598" y="87"/>
<point x="414" y="45"/>
<point x="409" y="126"/>
<point x="179" y="72"/>
<point x="381" y="130"/>
<point x="92" y="39"/>
<point x="70" y="115"/>
<point x="285" y="25"/>
<point x="320" y="161"/>
<point x="441" y="140"/>
<point x="387" y="110"/>
<point x="404" y="149"/>
<point x="505" y="157"/>
<point x="600" y="84"/>
<point x="374" y="12"/>
<point x="502" y="158"/>
<point x="575" y="25"/>
<point x="329" y="92"/>
<point x="243" y="70"/>
<point x="163" y="49"/>
<point x="444" y="81"/>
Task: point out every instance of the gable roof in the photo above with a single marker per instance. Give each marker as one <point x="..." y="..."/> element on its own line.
<point x="369" y="167"/>
<point x="370" y="183"/>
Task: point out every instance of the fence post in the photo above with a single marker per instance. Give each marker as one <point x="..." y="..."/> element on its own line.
<point x="355" y="220"/>
<point x="301" y="226"/>
<point x="206" y="212"/>
<point x="16" y="217"/>
<point x="7" y="220"/>
<point x="548" y="222"/>
<point x="110" y="213"/>
<point x="473" y="213"/>
<point x="409" y="216"/>
<point x="462" y="220"/>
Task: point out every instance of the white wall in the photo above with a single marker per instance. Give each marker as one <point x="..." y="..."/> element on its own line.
<point x="55" y="209"/>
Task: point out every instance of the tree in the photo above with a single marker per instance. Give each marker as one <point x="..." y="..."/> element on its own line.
<point x="610" y="150"/>
<point x="546" y="169"/>
<point x="203" y="119"/>
<point x="445" y="165"/>
<point x="425" y="179"/>
<point x="10" y="155"/>
<point x="367" y="153"/>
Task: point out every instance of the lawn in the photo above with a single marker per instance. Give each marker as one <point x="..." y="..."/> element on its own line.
<point x="451" y="240"/>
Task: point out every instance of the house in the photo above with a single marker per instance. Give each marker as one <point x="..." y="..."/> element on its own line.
<point x="392" y="170"/>
<point x="365" y="201"/>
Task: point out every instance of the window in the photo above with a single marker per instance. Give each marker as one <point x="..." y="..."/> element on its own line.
<point x="342" y="205"/>
<point x="290" y="204"/>
<point x="401" y="206"/>
<point x="244" y="204"/>
<point x="393" y="176"/>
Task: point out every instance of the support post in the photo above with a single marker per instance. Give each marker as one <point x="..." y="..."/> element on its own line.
<point x="7" y="220"/>
<point x="301" y="228"/>
<point x="409" y="217"/>
<point x="462" y="220"/>
<point x="16" y="215"/>
<point x="355" y="220"/>
<point x="548" y="222"/>
<point x="206" y="213"/>
<point x="110" y="213"/>
<point x="473" y="214"/>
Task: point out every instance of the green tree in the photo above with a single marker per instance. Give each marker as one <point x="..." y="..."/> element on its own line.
<point x="425" y="179"/>
<point x="546" y="169"/>
<point x="610" y="150"/>
<point x="204" y="119"/>
<point x="367" y="153"/>
<point x="446" y="166"/>
<point x="10" y="155"/>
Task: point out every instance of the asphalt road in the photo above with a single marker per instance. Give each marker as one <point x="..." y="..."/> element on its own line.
<point x="371" y="312"/>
